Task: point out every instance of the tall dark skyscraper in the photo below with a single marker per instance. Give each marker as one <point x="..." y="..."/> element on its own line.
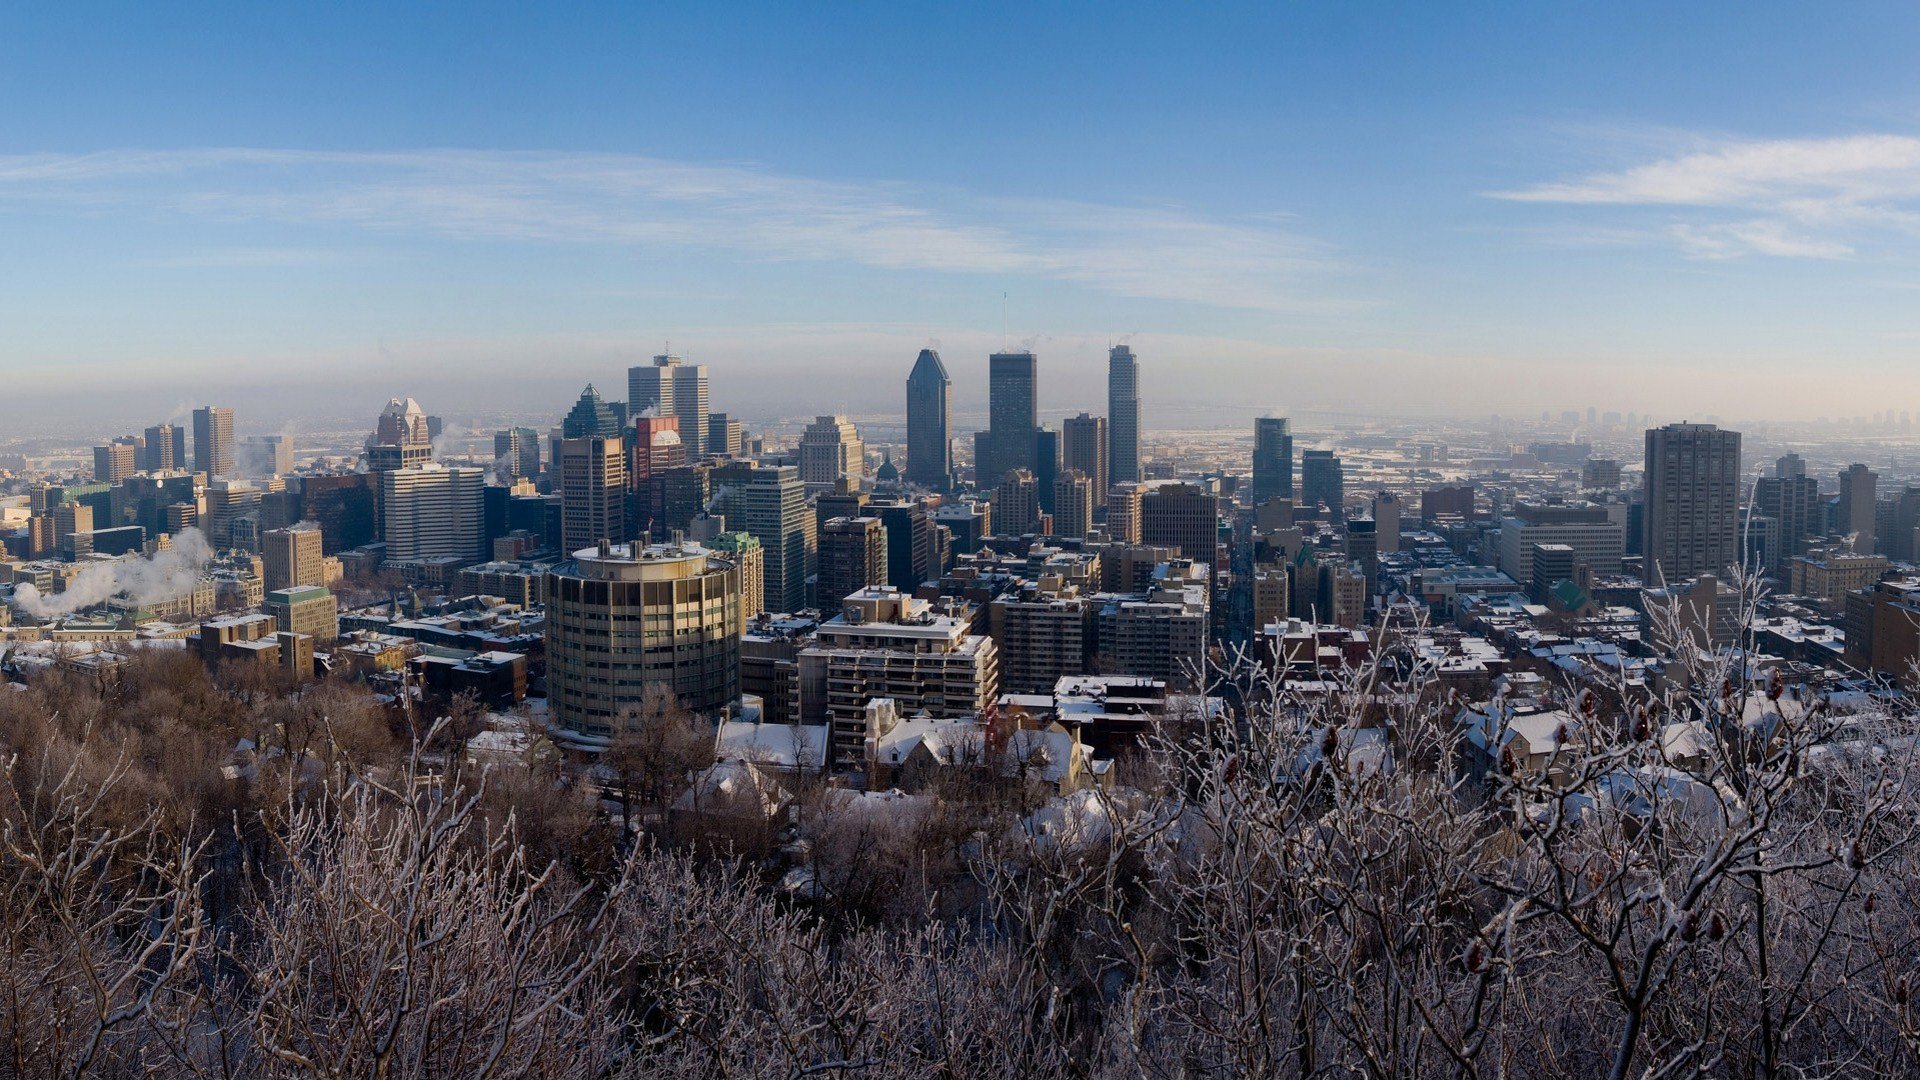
<point x="1012" y="413"/>
<point x="1123" y="416"/>
<point x="1692" y="522"/>
<point x="1323" y="480"/>
<point x="1046" y="464"/>
<point x="213" y="441"/>
<point x="930" y="423"/>
<point x="1272" y="459"/>
<point x="590" y="418"/>
<point x="165" y="448"/>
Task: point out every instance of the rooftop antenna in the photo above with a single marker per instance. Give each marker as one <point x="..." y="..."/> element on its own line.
<point x="1003" y="322"/>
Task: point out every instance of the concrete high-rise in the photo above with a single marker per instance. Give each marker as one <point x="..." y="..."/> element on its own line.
<point x="1858" y="486"/>
<point x="1692" y="518"/>
<point x="930" y="423"/>
<point x="432" y="511"/>
<point x="690" y="405"/>
<point x="1272" y="459"/>
<point x="516" y="453"/>
<point x="853" y="555"/>
<point x="831" y="450"/>
<point x="1016" y="504"/>
<point x="292" y="556"/>
<point x="1386" y="516"/>
<point x="1123" y="416"/>
<point x="1186" y="516"/>
<point x="1085" y="445"/>
<point x="593" y="491"/>
<point x="1072" y="504"/>
<point x="621" y="619"/>
<point x="165" y="448"/>
<point x="1012" y="415"/>
<point x="1793" y="500"/>
<point x="670" y="387"/>
<point x="770" y="502"/>
<point x="115" y="461"/>
<point x="650" y="387"/>
<point x="213" y="441"/>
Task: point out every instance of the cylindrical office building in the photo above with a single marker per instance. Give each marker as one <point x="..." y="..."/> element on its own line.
<point x="623" y="617"/>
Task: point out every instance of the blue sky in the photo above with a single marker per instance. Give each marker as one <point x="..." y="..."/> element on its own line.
<point x="1472" y="207"/>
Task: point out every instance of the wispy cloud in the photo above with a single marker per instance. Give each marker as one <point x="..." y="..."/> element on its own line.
<point x="1802" y="198"/>
<point x="1164" y="253"/>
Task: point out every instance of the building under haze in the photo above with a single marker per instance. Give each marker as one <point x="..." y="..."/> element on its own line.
<point x="1692" y="518"/>
<point x="165" y="447"/>
<point x="516" y="453"/>
<point x="590" y="418"/>
<point x="1123" y="416"/>
<point x="213" y="441"/>
<point x="1272" y="459"/>
<point x="1085" y="445"/>
<point x="831" y="449"/>
<point x="433" y="512"/>
<point x="930" y="423"/>
<point x="671" y="387"/>
<point x="592" y="484"/>
<point x="1012" y="416"/>
<point x="1856" y="507"/>
<point x="1323" y="481"/>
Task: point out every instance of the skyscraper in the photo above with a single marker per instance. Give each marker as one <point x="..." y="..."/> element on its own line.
<point x="1084" y="446"/>
<point x="690" y="405"/>
<point x="770" y="502"/>
<point x="724" y="435"/>
<point x="115" y="461"/>
<point x="593" y="487"/>
<point x="1322" y="480"/>
<point x="853" y="555"/>
<point x="1186" y="516"/>
<point x="831" y="449"/>
<point x="1012" y="415"/>
<point x="1123" y="416"/>
<point x="1272" y="459"/>
<point x="516" y="453"/>
<point x="432" y="511"/>
<point x="264" y="455"/>
<point x="1046" y="464"/>
<point x="1072" y="503"/>
<point x="1858" y="485"/>
<point x="213" y="441"/>
<point x="623" y="619"/>
<point x="650" y="387"/>
<point x="1791" y="498"/>
<point x="292" y="556"/>
<point x="1016" y="504"/>
<point x="1692" y="520"/>
<point x="930" y="423"/>
<point x="590" y="418"/>
<point x="166" y="448"/>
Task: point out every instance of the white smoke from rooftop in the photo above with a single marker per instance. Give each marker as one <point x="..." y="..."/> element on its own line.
<point x="168" y="575"/>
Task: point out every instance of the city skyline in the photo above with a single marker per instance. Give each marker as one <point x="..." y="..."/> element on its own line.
<point x="1333" y="200"/>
